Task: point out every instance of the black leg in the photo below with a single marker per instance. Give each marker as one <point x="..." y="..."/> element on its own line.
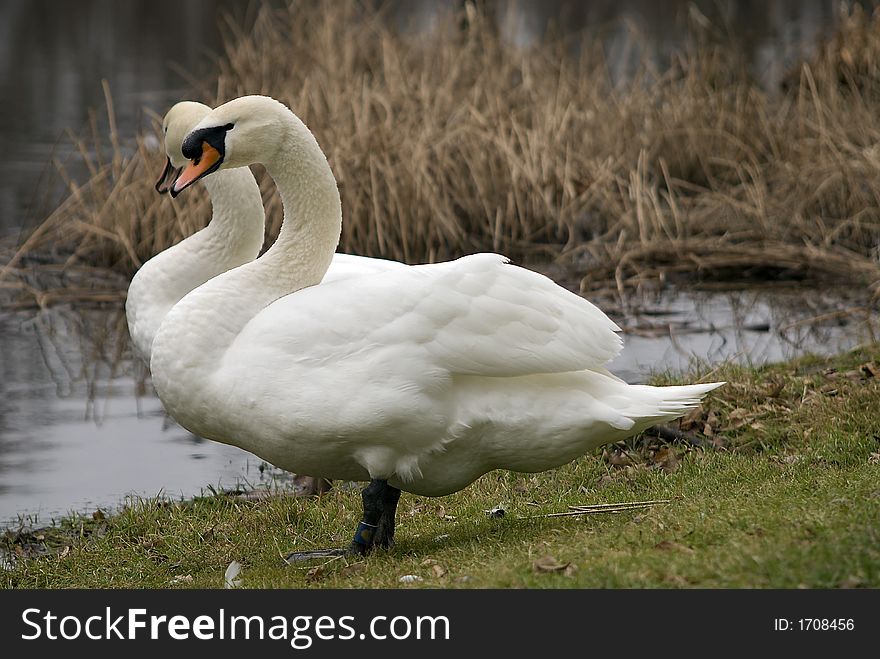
<point x="384" y="536"/>
<point x="376" y="527"/>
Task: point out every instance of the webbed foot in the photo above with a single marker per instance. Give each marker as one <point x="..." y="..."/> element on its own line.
<point x="376" y="529"/>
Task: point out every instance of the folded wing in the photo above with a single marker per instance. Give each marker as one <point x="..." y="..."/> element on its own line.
<point x="477" y="315"/>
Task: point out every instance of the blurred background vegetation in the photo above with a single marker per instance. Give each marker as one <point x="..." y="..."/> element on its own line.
<point x="733" y="142"/>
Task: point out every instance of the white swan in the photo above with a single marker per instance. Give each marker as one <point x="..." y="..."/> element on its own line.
<point x="233" y="237"/>
<point x="421" y="378"/>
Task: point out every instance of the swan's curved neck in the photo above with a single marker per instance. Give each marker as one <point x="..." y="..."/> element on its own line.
<point x="312" y="221"/>
<point x="233" y="237"/>
<point x="205" y="323"/>
<point x="237" y="220"/>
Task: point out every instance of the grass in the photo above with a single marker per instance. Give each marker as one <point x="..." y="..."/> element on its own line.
<point x="453" y="141"/>
<point x="775" y="487"/>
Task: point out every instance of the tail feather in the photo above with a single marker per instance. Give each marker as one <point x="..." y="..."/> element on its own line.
<point x="659" y="404"/>
<point x="677" y="400"/>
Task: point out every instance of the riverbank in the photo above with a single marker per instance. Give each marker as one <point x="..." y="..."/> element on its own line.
<point x="772" y="484"/>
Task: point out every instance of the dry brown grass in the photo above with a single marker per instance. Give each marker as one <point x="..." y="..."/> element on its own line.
<point x="452" y="141"/>
<point x="109" y="224"/>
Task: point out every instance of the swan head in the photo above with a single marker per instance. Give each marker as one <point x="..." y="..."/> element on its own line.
<point x="236" y="134"/>
<point x="176" y="125"/>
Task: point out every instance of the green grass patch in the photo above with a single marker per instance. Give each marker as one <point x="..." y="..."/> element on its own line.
<point x="774" y="484"/>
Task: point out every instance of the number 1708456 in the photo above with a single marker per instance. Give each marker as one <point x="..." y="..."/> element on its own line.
<point x="814" y="624"/>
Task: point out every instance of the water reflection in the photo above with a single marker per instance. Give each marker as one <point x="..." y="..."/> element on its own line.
<point x="78" y="431"/>
<point x="80" y="427"/>
<point x="771" y="36"/>
<point x="53" y="57"/>
<point x="683" y="331"/>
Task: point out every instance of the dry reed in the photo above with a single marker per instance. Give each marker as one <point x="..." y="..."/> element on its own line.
<point x="452" y="140"/>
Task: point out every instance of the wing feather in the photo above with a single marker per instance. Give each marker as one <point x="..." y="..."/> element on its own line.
<point x="477" y="315"/>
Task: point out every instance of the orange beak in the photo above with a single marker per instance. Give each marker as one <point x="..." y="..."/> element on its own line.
<point x="197" y="168"/>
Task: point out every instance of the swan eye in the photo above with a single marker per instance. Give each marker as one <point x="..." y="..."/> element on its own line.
<point x="228" y="126"/>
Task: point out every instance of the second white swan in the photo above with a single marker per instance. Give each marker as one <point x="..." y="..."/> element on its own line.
<point x="233" y="237"/>
<point x="420" y="378"/>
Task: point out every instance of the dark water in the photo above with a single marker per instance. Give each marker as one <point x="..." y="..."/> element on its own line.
<point x="54" y="56"/>
<point x="79" y="427"/>
<point x="78" y="431"/>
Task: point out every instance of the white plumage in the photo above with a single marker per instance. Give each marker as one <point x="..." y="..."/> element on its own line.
<point x="233" y="237"/>
<point x="422" y="376"/>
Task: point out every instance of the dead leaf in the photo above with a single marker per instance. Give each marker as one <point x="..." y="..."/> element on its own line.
<point x="852" y="581"/>
<point x="618" y="458"/>
<point x="738" y="418"/>
<point x="98" y="515"/>
<point x="64" y="552"/>
<point x="691" y="419"/>
<point x="438" y="570"/>
<point x="870" y="369"/>
<point x="874" y="459"/>
<point x="315" y="573"/>
<point x="720" y="441"/>
<point x="606" y="479"/>
<point x="181" y="578"/>
<point x="230" y="577"/>
<point x="666" y="459"/>
<point x="549" y="564"/>
<point x="738" y="413"/>
<point x="669" y="545"/>
<point x="775" y="387"/>
<point x="354" y="568"/>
